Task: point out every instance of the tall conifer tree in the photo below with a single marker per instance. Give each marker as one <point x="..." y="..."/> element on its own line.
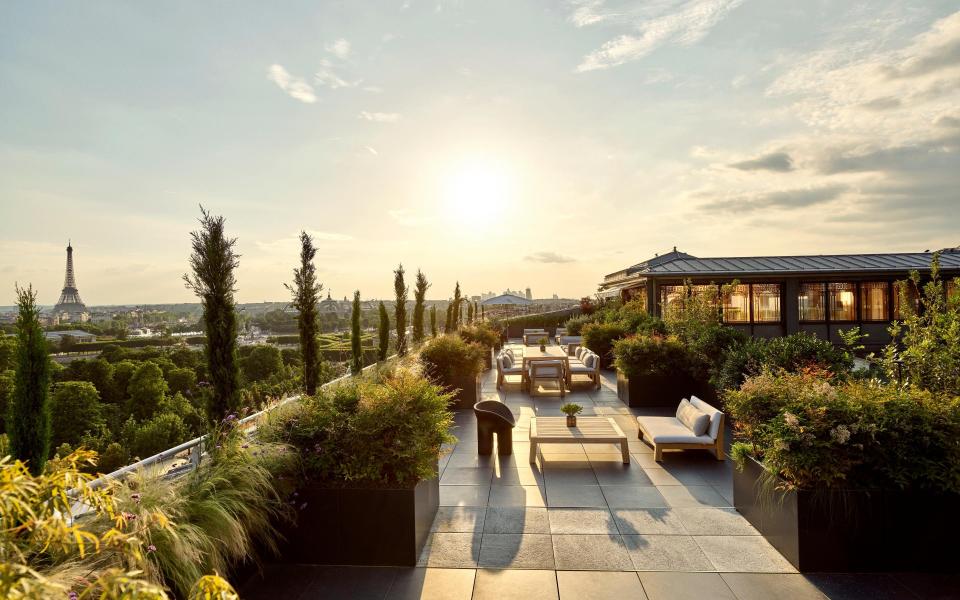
<point x="455" y="321"/>
<point x="356" y="364"/>
<point x="419" y="297"/>
<point x="400" y="311"/>
<point x="28" y="418"/>
<point x="384" y="332"/>
<point x="306" y="297"/>
<point x="433" y="321"/>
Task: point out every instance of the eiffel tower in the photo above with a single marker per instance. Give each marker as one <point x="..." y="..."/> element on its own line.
<point x="70" y="302"/>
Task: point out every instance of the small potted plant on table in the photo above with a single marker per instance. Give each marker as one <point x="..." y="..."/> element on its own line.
<point x="571" y="410"/>
<point x="543" y="343"/>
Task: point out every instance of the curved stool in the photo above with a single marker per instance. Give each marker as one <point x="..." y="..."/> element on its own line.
<point x="494" y="417"/>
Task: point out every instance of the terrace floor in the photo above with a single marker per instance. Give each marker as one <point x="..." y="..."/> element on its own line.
<point x="582" y="525"/>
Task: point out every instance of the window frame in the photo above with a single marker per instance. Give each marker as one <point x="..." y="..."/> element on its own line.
<point x="888" y="305"/>
<point x="824" y="303"/>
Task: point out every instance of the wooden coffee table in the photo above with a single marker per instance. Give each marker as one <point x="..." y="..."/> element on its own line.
<point x="589" y="430"/>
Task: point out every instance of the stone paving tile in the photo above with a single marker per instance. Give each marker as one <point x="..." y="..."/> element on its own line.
<point x="617" y="473"/>
<point x="517" y="495"/>
<point x="518" y="476"/>
<point x="516" y="551"/>
<point x="714" y="521"/>
<point x="431" y="584"/>
<point x="743" y="553"/>
<point x="571" y="476"/>
<point x="591" y="553"/>
<point x="685" y="586"/>
<point x="763" y="586"/>
<point x="665" y="477"/>
<point x="515" y="585"/>
<point x="599" y="585"/>
<point x="458" y="550"/>
<point x="679" y="496"/>
<point x="648" y="521"/>
<point x="633" y="496"/>
<point x="666" y="553"/>
<point x="511" y="519"/>
<point x="466" y="476"/>
<point x="458" y="519"/>
<point x="464" y="495"/>
<point x="581" y="520"/>
<point x="575" y="496"/>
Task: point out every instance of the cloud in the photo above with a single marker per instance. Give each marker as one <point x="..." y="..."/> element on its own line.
<point x="549" y="257"/>
<point x="932" y="51"/>
<point x="685" y="26"/>
<point x="371" y="150"/>
<point x="883" y="103"/>
<point x="587" y="12"/>
<point x="339" y="48"/>
<point x="781" y="199"/>
<point x="328" y="75"/>
<point x="775" y="161"/>
<point x="295" y="87"/>
<point x="379" y="117"/>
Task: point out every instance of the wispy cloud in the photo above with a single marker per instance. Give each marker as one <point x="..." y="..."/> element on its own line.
<point x="780" y="199"/>
<point x="328" y="75"/>
<point x="339" y="48"/>
<point x="295" y="87"/>
<point x="379" y="117"/>
<point x="371" y="150"/>
<point x="775" y="161"/>
<point x="682" y="25"/>
<point x="588" y="12"/>
<point x="549" y="257"/>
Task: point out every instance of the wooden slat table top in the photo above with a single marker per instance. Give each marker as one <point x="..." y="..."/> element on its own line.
<point x="551" y="352"/>
<point x="589" y="429"/>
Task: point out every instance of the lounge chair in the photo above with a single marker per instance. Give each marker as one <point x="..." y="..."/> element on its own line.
<point x="506" y="366"/>
<point x="549" y="370"/>
<point x="589" y="365"/>
<point x="493" y="417"/>
<point x="687" y="431"/>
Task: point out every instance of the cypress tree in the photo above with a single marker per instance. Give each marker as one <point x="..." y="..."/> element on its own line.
<point x="448" y="325"/>
<point x="483" y="313"/>
<point x="433" y="321"/>
<point x="455" y="321"/>
<point x="419" y="297"/>
<point x="213" y="263"/>
<point x="384" y="332"/>
<point x="470" y="313"/>
<point x="356" y="365"/>
<point x="306" y="297"/>
<point x="400" y="291"/>
<point x="28" y="418"/>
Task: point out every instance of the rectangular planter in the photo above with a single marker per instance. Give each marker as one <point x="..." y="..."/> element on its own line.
<point x="362" y="526"/>
<point x="658" y="390"/>
<point x="851" y="530"/>
<point x="467" y="391"/>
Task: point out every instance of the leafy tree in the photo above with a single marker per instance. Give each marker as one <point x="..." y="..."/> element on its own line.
<point x="470" y="309"/>
<point x="213" y="263"/>
<point x="28" y="420"/>
<point x="100" y="373"/>
<point x="146" y="390"/>
<point x="356" y="364"/>
<point x="400" y="311"/>
<point x="179" y="405"/>
<point x="455" y="321"/>
<point x="419" y="297"/>
<point x="433" y="321"/>
<point x="122" y="374"/>
<point x="448" y="325"/>
<point x="76" y="409"/>
<point x="185" y="358"/>
<point x="163" y="431"/>
<point x="182" y="381"/>
<point x="262" y="362"/>
<point x="384" y="332"/>
<point x="8" y="353"/>
<point x="306" y="297"/>
<point x="6" y="393"/>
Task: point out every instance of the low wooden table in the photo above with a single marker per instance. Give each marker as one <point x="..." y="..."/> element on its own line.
<point x="589" y="430"/>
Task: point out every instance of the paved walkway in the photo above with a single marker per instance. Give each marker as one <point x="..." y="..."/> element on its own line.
<point x="580" y="524"/>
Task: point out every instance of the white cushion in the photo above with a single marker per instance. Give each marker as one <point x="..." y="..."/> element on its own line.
<point x="545" y="372"/>
<point x="692" y="417"/>
<point x="507" y="361"/>
<point x="580" y="351"/>
<point x="715" y="415"/>
<point x="509" y="352"/>
<point x="590" y="361"/>
<point x="668" y="430"/>
<point x="580" y="368"/>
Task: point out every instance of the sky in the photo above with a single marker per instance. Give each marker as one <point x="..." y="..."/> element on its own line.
<point x="501" y="143"/>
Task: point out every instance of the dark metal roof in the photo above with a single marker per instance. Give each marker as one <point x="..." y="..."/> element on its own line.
<point x="825" y="263"/>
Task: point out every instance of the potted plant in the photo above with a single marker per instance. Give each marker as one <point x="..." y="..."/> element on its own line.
<point x="485" y="336"/>
<point x="571" y="410"/>
<point x="368" y="489"/>
<point x="654" y="370"/>
<point x="853" y="476"/>
<point x="456" y="365"/>
<point x="543" y="343"/>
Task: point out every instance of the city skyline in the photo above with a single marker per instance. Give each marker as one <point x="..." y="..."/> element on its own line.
<point x="488" y="143"/>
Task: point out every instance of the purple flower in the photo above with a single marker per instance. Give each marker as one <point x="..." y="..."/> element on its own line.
<point x="72" y="596"/>
<point x="303" y="506"/>
<point x="151" y="548"/>
<point x="129" y="516"/>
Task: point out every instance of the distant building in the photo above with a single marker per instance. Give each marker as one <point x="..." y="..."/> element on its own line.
<point x="76" y="336"/>
<point x="70" y="308"/>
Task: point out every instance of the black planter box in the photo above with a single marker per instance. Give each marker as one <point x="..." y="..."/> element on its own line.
<point x="488" y="360"/>
<point x="660" y="390"/>
<point x="467" y="389"/>
<point x="361" y="526"/>
<point x="851" y="530"/>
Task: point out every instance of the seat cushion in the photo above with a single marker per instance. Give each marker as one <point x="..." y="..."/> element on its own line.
<point x="507" y="361"/>
<point x="715" y="415"/>
<point x="693" y="418"/>
<point x="590" y="361"/>
<point x="668" y="430"/>
<point x="578" y="367"/>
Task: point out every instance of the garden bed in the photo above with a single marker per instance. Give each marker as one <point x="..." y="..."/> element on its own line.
<point x="660" y="390"/>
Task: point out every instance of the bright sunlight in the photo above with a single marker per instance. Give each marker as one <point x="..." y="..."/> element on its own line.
<point x="476" y="193"/>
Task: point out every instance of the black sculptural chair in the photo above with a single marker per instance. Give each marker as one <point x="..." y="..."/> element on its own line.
<point x="494" y="417"/>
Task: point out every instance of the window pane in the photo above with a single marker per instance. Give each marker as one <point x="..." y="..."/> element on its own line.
<point x="874" y="305"/>
<point x="842" y="301"/>
<point x="766" y="302"/>
<point x="669" y="297"/>
<point x="912" y="296"/>
<point x="735" y="305"/>
<point x="953" y="290"/>
<point x="811" y="301"/>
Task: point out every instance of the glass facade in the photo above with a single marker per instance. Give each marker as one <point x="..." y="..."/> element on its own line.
<point x="842" y="301"/>
<point x="812" y="302"/>
<point x="912" y="297"/>
<point x="670" y="295"/>
<point x="875" y="301"/>
<point x="736" y="304"/>
<point x="766" y="302"/>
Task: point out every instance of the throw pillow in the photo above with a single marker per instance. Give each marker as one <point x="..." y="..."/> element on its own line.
<point x="693" y="418"/>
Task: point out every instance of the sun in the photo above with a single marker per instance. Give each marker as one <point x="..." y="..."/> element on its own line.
<point x="476" y="193"/>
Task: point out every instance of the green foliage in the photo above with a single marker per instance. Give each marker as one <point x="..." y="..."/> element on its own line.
<point x="448" y="357"/>
<point x="455" y="313"/>
<point x="480" y="334"/>
<point x="8" y="352"/>
<point x="419" y="297"/>
<point x="260" y="362"/>
<point x="192" y="417"/>
<point x="852" y="434"/>
<point x="28" y="417"/>
<point x="76" y="409"/>
<point x="927" y="342"/>
<point x="600" y="337"/>
<point x="182" y="381"/>
<point x="793" y="354"/>
<point x="213" y="263"/>
<point x="575" y="325"/>
<point x="160" y="433"/>
<point x="356" y="364"/>
<point x="146" y="390"/>
<point x="433" y="321"/>
<point x="6" y="393"/>
<point x="641" y="355"/>
<point x="306" y="298"/>
<point x="368" y="433"/>
<point x="544" y="320"/>
<point x="571" y="410"/>
<point x="384" y="333"/>
<point x="400" y="310"/>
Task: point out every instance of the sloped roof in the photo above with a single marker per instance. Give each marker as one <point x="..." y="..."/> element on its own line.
<point x="506" y="299"/>
<point x="824" y="263"/>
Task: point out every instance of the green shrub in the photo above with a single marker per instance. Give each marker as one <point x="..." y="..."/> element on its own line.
<point x="368" y="433"/>
<point x="480" y="334"/>
<point x="543" y="320"/>
<point x="449" y="357"/>
<point x="575" y="325"/>
<point x="792" y="353"/>
<point x="852" y="434"/>
<point x="160" y="433"/>
<point x="76" y="409"/>
<point x="600" y="337"/>
<point x="640" y="355"/>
